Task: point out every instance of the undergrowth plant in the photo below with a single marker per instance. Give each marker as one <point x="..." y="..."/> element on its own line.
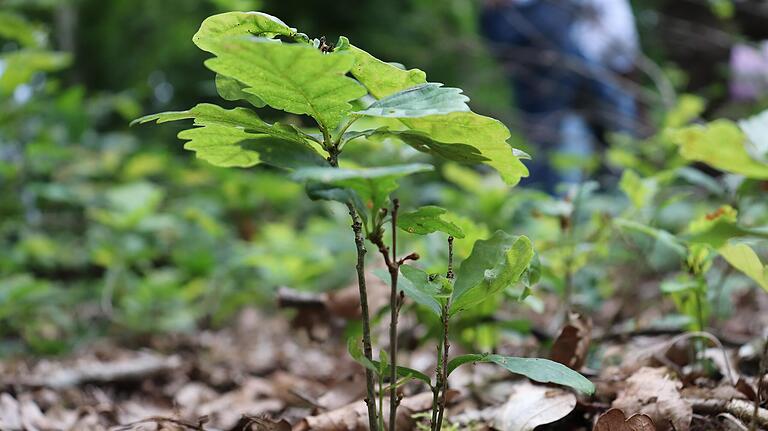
<point x="262" y="62"/>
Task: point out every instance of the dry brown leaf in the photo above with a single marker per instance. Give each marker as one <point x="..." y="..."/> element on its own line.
<point x="354" y="417"/>
<point x="572" y="345"/>
<point x="653" y="392"/>
<point x="614" y="420"/>
<point x="126" y="366"/>
<point x="532" y="405"/>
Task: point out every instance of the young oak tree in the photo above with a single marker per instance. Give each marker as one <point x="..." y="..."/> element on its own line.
<point x="261" y="61"/>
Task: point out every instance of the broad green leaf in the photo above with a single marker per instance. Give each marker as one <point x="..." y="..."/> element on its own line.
<point x="372" y="185"/>
<point x="743" y="258"/>
<point x="232" y="89"/>
<point x="536" y="369"/>
<point x="458" y="152"/>
<point x="239" y="138"/>
<point x="486" y="134"/>
<point x="231" y="24"/>
<point x="417" y="286"/>
<point x="420" y="101"/>
<point x="292" y="77"/>
<point x="720" y="144"/>
<point x="495" y="264"/>
<point x="402" y="372"/>
<point x="427" y="220"/>
<point x="18" y="67"/>
<point x="380" y="78"/>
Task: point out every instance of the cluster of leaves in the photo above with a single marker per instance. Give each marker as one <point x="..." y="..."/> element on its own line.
<point x="261" y="61"/>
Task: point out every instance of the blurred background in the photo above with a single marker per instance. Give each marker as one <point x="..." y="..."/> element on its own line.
<point x="111" y="230"/>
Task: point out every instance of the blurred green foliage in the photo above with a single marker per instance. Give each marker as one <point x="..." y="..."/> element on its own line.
<point x="106" y="230"/>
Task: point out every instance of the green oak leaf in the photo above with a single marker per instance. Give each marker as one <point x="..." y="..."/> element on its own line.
<point x="372" y="185"/>
<point x="291" y="77"/>
<point x="232" y="90"/>
<point x="493" y="265"/>
<point x="427" y="220"/>
<point x="239" y="138"/>
<point x="486" y="134"/>
<point x="231" y="24"/>
<point x="536" y="369"/>
<point x="380" y="78"/>
<point x="420" y="141"/>
<point x="720" y="144"/>
<point x="420" y="101"/>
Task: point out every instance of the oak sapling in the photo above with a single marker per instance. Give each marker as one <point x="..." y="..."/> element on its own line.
<point x="260" y="61"/>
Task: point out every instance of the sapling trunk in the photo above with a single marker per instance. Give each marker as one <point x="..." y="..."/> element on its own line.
<point x="394" y="305"/>
<point x="357" y="228"/>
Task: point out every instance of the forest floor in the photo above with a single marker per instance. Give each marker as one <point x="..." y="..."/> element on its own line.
<point x="271" y="373"/>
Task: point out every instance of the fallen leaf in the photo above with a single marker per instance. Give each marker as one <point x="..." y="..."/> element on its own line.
<point x="354" y="417"/>
<point x="652" y="392"/>
<point x="572" y="345"/>
<point x="614" y="420"/>
<point x="532" y="405"/>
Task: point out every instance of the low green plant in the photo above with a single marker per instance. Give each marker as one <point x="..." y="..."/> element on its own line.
<point x="261" y="61"/>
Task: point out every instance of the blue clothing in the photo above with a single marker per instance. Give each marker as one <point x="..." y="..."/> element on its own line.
<point x="552" y="79"/>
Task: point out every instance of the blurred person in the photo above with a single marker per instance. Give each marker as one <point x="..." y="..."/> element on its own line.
<point x="564" y="58"/>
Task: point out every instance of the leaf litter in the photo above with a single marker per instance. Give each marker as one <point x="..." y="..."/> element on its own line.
<point x="264" y="373"/>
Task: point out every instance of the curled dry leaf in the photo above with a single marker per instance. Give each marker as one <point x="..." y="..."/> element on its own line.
<point x="572" y="345"/>
<point x="653" y="392"/>
<point x="532" y="405"/>
<point x="614" y="420"/>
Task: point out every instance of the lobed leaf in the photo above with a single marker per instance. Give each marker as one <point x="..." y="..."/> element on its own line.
<point x="239" y="138"/>
<point x="420" y="141"/>
<point x="295" y="78"/>
<point x="420" y="101"/>
<point x="487" y="135"/>
<point x="380" y="78"/>
<point x="427" y="220"/>
<point x="536" y="369"/>
<point x="231" y="24"/>
<point x="232" y="90"/>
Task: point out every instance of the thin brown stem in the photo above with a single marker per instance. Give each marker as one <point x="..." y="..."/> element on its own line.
<point x="436" y="388"/>
<point x="394" y="269"/>
<point x="357" y="228"/>
<point x="444" y="379"/>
